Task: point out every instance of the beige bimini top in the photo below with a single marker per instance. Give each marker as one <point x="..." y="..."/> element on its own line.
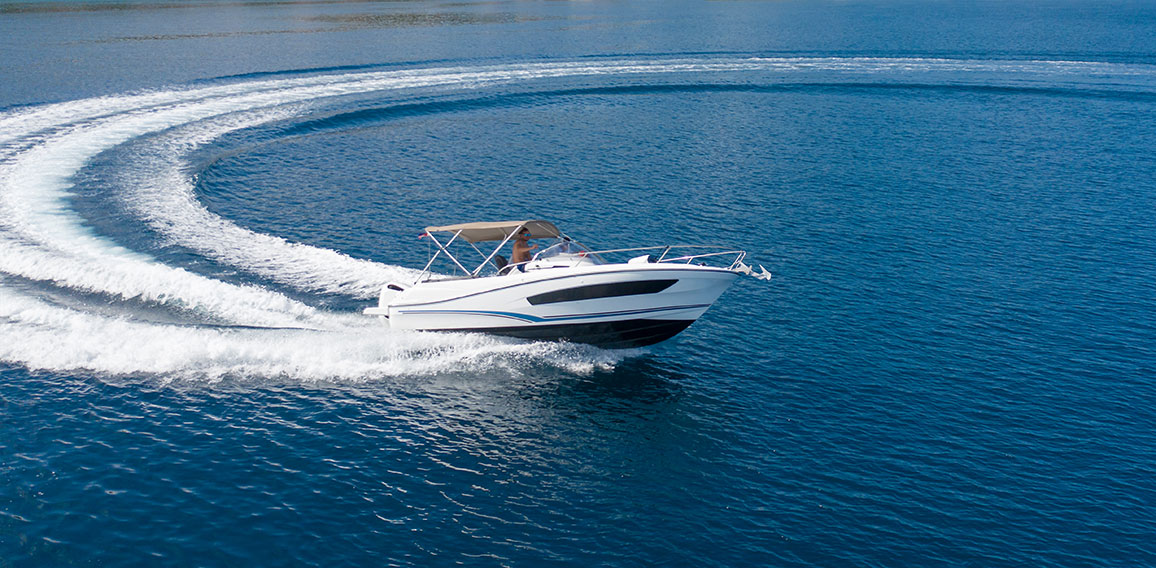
<point x="498" y="230"/>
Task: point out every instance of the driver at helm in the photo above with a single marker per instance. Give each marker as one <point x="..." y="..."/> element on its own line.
<point x="522" y="247"/>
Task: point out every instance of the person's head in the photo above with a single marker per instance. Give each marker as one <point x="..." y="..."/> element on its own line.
<point x="523" y="235"/>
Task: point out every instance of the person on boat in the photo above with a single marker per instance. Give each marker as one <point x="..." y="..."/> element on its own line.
<point x="522" y="248"/>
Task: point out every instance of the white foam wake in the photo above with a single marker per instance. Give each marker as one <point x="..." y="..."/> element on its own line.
<point x="40" y="336"/>
<point x="43" y="239"/>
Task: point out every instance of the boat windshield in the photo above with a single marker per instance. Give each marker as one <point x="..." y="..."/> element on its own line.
<point x="565" y="247"/>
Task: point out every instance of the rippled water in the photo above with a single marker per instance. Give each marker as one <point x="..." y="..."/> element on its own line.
<point x="953" y="364"/>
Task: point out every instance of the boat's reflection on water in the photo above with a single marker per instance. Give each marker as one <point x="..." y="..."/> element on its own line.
<point x="546" y="397"/>
<point x="642" y="382"/>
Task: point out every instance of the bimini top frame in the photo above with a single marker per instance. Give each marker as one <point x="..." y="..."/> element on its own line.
<point x="500" y="232"/>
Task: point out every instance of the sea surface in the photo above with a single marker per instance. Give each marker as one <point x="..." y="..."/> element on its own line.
<point x="954" y="365"/>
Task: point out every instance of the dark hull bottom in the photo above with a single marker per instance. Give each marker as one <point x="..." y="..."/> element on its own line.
<point x="608" y="335"/>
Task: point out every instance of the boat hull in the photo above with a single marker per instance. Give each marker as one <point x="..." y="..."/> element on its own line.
<point x="612" y="306"/>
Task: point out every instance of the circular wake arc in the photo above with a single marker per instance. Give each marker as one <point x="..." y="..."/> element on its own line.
<point x="44" y="239"/>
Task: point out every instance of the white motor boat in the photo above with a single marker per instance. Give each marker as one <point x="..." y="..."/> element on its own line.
<point x="564" y="292"/>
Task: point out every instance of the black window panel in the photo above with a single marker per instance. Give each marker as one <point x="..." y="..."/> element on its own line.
<point x="601" y="291"/>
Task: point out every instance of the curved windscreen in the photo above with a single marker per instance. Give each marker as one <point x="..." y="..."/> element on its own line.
<point x="565" y="247"/>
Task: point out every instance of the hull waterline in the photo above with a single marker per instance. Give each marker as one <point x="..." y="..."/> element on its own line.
<point x="619" y="334"/>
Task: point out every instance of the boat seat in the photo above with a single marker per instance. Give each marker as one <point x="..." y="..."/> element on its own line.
<point x="520" y="267"/>
<point x="500" y="262"/>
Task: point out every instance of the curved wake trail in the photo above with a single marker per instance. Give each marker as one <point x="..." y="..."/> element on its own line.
<point x="43" y="239"/>
<point x="41" y="336"/>
<point x="158" y="190"/>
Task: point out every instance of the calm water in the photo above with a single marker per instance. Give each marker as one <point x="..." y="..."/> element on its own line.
<point x="954" y="364"/>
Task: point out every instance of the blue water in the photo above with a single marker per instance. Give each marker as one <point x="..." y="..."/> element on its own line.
<point x="954" y="364"/>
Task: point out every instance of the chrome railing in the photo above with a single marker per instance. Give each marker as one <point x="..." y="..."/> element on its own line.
<point x="739" y="255"/>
